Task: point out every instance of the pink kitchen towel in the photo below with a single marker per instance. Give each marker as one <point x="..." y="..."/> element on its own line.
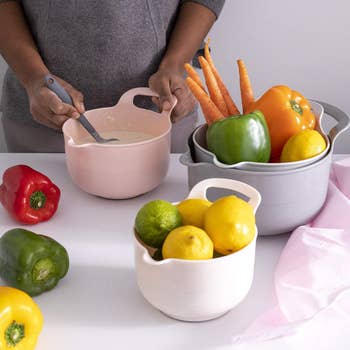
<point x="312" y="281"/>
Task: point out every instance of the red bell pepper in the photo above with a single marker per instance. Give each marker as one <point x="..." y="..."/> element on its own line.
<point x="29" y="196"/>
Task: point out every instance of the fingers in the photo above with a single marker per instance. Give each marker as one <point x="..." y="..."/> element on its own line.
<point x="186" y="102"/>
<point x="42" y="119"/>
<point x="48" y="109"/>
<point x="156" y="101"/>
<point x="161" y="85"/>
<point x="51" y="121"/>
<point x="77" y="97"/>
<point x="168" y="84"/>
<point x="56" y="106"/>
<point x="59" y="120"/>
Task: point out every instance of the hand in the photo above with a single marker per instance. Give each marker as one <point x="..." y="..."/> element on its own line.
<point x="168" y="82"/>
<point x="48" y="109"/>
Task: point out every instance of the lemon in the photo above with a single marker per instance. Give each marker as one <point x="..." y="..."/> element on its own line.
<point x="188" y="242"/>
<point x="192" y="211"/>
<point x="230" y="223"/>
<point x="155" y="220"/>
<point x="304" y="144"/>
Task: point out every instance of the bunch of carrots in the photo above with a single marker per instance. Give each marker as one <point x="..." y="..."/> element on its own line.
<point x="216" y="102"/>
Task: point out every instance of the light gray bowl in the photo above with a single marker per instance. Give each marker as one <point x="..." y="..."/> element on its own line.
<point x="290" y="197"/>
<point x="202" y="154"/>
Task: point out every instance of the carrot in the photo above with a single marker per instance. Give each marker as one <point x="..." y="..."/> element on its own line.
<point x="231" y="106"/>
<point x="207" y="54"/>
<point x="210" y="111"/>
<point x="213" y="88"/>
<point x="247" y="94"/>
<point x="194" y="75"/>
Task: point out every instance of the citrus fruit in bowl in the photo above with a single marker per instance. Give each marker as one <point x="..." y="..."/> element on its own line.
<point x="188" y="242"/>
<point x="230" y="223"/>
<point x="303" y="145"/>
<point x="155" y="220"/>
<point x="189" y="281"/>
<point x="192" y="211"/>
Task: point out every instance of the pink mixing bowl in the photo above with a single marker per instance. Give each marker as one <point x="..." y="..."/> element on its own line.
<point x="119" y="171"/>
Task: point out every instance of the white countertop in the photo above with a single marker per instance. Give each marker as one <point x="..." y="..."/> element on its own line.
<point x="98" y="305"/>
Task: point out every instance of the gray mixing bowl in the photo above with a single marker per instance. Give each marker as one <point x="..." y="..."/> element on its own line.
<point x="202" y="154"/>
<point x="290" y="198"/>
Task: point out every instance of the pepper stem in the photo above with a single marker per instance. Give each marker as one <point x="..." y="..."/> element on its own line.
<point x="42" y="269"/>
<point x="296" y="107"/>
<point x="37" y="200"/>
<point x="14" y="333"/>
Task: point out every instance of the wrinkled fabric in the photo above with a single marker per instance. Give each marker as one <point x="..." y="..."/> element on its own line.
<point x="312" y="280"/>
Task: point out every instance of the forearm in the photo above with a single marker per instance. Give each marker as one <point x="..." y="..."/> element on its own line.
<point x="193" y="24"/>
<point x="17" y="45"/>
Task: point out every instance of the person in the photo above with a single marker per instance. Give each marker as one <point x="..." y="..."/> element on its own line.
<point x="97" y="50"/>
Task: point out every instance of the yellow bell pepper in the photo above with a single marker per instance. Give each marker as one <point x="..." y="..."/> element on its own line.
<point x="286" y="112"/>
<point x="21" y="320"/>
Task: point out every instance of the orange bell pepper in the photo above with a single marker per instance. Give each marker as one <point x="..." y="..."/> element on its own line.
<point x="286" y="112"/>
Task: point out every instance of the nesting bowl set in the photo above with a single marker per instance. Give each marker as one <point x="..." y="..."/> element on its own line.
<point x="291" y="194"/>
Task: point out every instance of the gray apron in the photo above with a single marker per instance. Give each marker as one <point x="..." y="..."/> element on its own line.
<point x="103" y="48"/>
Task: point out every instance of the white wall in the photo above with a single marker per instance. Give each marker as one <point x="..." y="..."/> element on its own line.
<point x="302" y="43"/>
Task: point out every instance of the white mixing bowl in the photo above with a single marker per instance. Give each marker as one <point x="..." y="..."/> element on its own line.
<point x="199" y="290"/>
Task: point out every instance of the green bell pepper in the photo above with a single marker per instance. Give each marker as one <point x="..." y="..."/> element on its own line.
<point x="31" y="262"/>
<point x="240" y="138"/>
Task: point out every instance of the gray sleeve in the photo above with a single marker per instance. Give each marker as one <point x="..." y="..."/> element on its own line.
<point x="213" y="5"/>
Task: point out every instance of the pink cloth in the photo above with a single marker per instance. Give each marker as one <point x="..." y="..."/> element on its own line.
<point x="312" y="280"/>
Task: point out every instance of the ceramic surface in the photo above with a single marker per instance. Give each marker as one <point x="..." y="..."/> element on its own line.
<point x="290" y="197"/>
<point x="202" y="154"/>
<point x="126" y="170"/>
<point x="199" y="290"/>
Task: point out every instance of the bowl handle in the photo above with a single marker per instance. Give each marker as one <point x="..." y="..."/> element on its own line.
<point x="341" y="117"/>
<point x="128" y="97"/>
<point x="200" y="189"/>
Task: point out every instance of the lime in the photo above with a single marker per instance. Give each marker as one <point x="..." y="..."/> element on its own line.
<point x="304" y="144"/>
<point x="155" y="220"/>
<point x="192" y="211"/>
<point x="230" y="223"/>
<point x="188" y="242"/>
